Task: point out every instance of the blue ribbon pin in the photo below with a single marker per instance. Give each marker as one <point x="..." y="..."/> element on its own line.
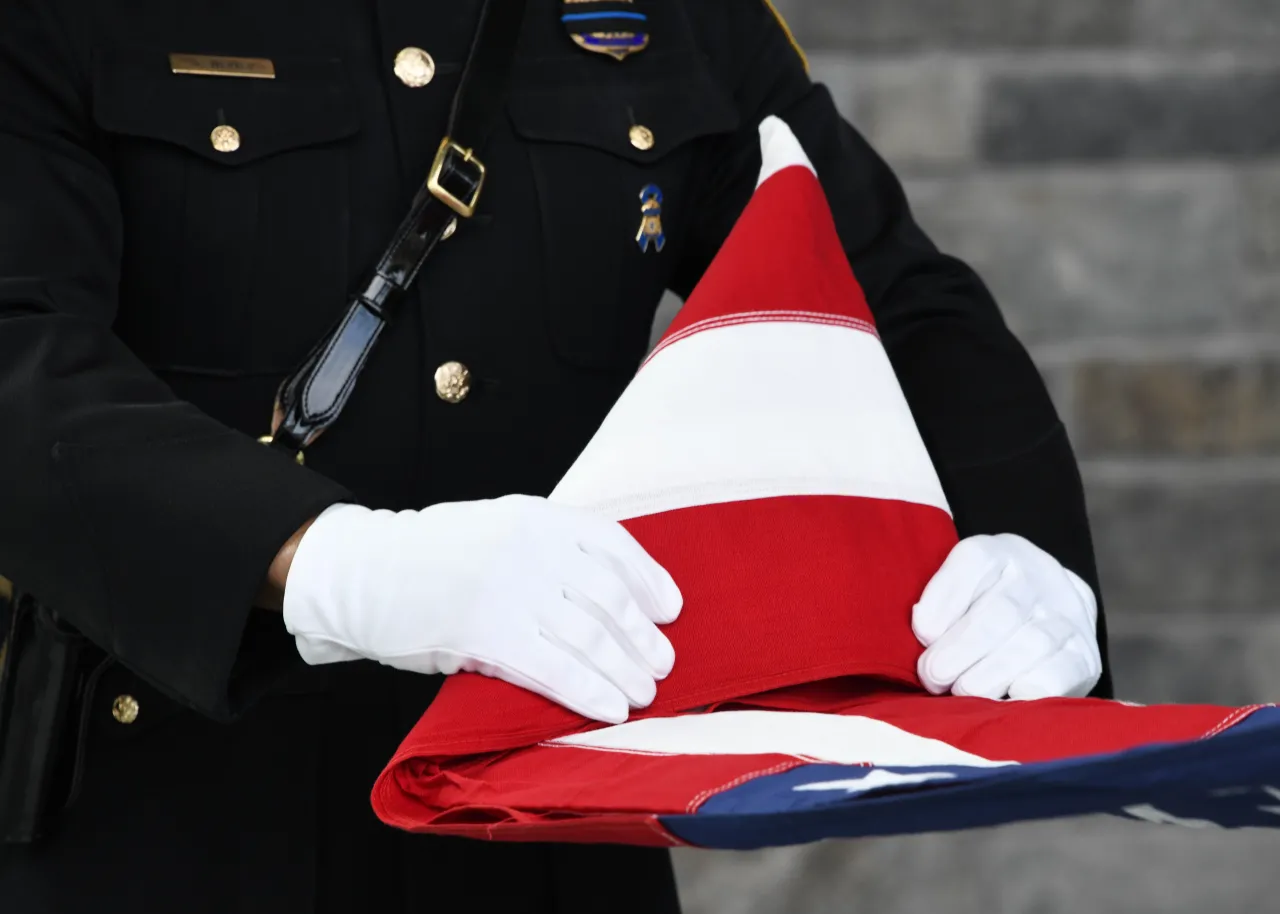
<point x="651" y="232"/>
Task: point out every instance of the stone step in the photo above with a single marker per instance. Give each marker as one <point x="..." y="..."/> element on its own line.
<point x="926" y="112"/>
<point x="1084" y="253"/>
<point x="1096" y="864"/>
<point x="1186" y="538"/>
<point x="1220" y="403"/>
<point x="1029" y="117"/>
<point x="895" y="25"/>
<point x="1211" y="658"/>
<point x="1081" y="255"/>
<point x="901" y="24"/>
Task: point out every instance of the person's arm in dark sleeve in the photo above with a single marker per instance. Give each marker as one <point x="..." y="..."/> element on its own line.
<point x="986" y="418"/>
<point x="142" y="521"/>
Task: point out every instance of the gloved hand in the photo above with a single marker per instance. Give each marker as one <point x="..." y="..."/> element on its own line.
<point x="546" y="597"/>
<point x="1004" y="618"/>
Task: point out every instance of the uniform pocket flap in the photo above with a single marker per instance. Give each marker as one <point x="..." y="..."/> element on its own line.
<point x="674" y="110"/>
<point x="309" y="102"/>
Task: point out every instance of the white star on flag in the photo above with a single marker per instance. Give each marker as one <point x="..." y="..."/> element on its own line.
<point x="876" y="779"/>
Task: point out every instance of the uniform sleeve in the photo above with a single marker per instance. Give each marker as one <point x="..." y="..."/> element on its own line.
<point x="141" y="520"/>
<point x="984" y="413"/>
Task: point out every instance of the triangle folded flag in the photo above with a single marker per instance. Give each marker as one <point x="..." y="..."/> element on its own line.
<point x="765" y="455"/>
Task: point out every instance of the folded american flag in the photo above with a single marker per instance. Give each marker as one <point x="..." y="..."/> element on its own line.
<point x="765" y="455"/>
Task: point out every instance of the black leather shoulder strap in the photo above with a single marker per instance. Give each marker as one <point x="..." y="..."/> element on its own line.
<point x="311" y="398"/>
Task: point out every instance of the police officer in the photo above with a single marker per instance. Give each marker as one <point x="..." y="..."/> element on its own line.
<point x="188" y="193"/>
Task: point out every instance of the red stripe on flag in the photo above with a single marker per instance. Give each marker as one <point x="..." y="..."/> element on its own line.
<point x="842" y="576"/>
<point x="783" y="247"/>
<point x="551" y="792"/>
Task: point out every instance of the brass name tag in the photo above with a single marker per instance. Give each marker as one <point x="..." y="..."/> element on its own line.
<point x="204" y="65"/>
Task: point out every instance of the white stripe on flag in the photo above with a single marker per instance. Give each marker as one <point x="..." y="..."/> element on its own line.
<point x="779" y="149"/>
<point x="756" y="410"/>
<point x="835" y="738"/>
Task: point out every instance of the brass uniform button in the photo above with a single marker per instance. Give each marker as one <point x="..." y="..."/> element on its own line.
<point x="415" y="67"/>
<point x="299" y="457"/>
<point x="453" y="382"/>
<point x="225" y="138"/>
<point x="641" y="137"/>
<point x="125" y="709"/>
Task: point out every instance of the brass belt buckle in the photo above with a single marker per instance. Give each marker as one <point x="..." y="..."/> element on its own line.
<point x="464" y="208"/>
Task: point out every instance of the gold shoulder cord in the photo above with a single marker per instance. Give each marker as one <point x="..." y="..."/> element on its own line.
<point x="6" y="594"/>
<point x="790" y="35"/>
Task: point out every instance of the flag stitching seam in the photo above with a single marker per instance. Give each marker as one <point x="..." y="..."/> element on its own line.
<point x="738" y="781"/>
<point x="1233" y="718"/>
<point x="754" y="317"/>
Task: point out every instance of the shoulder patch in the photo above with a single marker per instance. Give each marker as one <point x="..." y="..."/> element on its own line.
<point x="786" y="29"/>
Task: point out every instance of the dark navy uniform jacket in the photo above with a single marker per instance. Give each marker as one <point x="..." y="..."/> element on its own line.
<point x="159" y="276"/>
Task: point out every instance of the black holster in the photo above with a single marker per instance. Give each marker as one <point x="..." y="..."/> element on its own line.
<point x="45" y="679"/>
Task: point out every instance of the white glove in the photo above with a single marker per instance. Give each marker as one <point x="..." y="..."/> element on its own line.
<point x="546" y="597"/>
<point x="1003" y="618"/>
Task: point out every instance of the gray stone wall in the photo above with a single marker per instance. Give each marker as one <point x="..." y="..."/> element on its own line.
<point x="1112" y="169"/>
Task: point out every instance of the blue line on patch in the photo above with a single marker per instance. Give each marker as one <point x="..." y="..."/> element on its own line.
<point x="615" y="42"/>
<point x="580" y="17"/>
